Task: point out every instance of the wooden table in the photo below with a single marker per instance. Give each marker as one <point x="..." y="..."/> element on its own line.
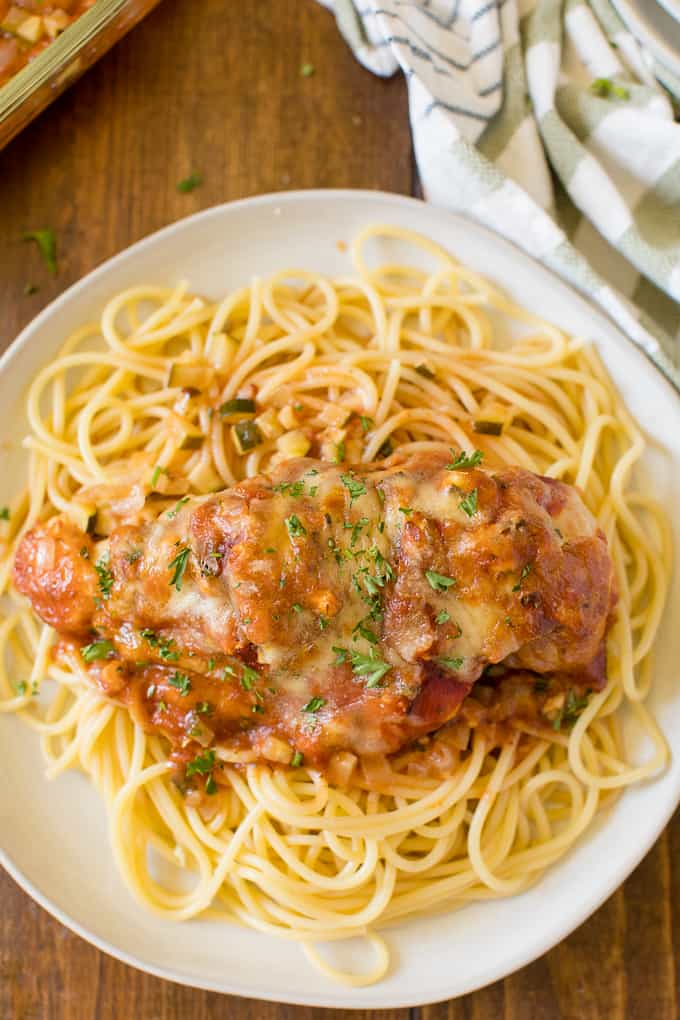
<point x="217" y="87"/>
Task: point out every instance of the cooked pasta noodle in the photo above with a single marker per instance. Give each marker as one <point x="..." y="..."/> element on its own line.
<point x="420" y="357"/>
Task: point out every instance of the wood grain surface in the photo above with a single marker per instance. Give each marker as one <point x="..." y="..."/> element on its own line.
<point x="215" y="86"/>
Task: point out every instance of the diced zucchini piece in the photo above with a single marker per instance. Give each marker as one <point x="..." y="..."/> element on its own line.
<point x="192" y="442"/>
<point x="487" y="428"/>
<point x="246" y="436"/>
<point x="187" y="375"/>
<point x="237" y="407"/>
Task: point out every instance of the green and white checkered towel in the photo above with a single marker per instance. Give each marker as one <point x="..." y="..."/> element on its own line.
<point x="546" y="121"/>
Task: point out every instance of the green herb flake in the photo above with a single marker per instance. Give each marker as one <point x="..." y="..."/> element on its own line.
<point x="442" y="617"/>
<point x="323" y="622"/>
<point x="314" y="704"/>
<point x="249" y="677"/>
<point x="353" y="486"/>
<point x="295" y="527"/>
<point x="606" y="88"/>
<point x="524" y="573"/>
<point x="307" y="70"/>
<point x="462" y="461"/>
<point x="47" y="245"/>
<point x="178" y="565"/>
<point x="438" y="582"/>
<point x="297" y="760"/>
<point x="177" y="507"/>
<point x="449" y="663"/>
<point x="340" y="655"/>
<point x="406" y="510"/>
<point x="469" y="504"/>
<point x="210" y="786"/>
<point x="571" y="710"/>
<point x="105" y="577"/>
<point x="296" y="607"/>
<point x="366" y="423"/>
<point x="157" y="472"/>
<point x="30" y="289"/>
<point x="4" y="513"/>
<point x="202" y="764"/>
<point x="340" y="452"/>
<point x="190" y="183"/>
<point x="204" y="708"/>
<point x="369" y="667"/>
<point x="181" y="682"/>
<point x="97" y="650"/>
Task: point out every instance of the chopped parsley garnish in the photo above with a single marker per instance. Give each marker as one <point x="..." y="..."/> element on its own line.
<point x="249" y="677"/>
<point x="361" y="630"/>
<point x="340" y="654"/>
<point x="47" y="245"/>
<point x="210" y="786"/>
<point x="178" y="506"/>
<point x="157" y="472"/>
<point x="323" y="622"/>
<point x="526" y="570"/>
<point x="605" y="87"/>
<point x="438" y="582"/>
<point x="313" y="489"/>
<point x="366" y="423"/>
<point x="105" y="576"/>
<point x="406" y="510"/>
<point x="307" y="70"/>
<point x="163" y="645"/>
<point x="357" y="528"/>
<point x="178" y="565"/>
<point x="97" y="650"/>
<point x="353" y="486"/>
<point x="462" y="461"/>
<point x="297" y="760"/>
<point x="571" y="710"/>
<point x="202" y="764"/>
<point x="295" y="526"/>
<point x="449" y="663"/>
<point x="211" y="664"/>
<point x="133" y="556"/>
<point x="314" y="704"/>
<point x="340" y="452"/>
<point x="4" y="513"/>
<point x="204" y="708"/>
<point x="442" y="617"/>
<point x="469" y="504"/>
<point x="296" y="607"/>
<point x="194" y="180"/>
<point x="370" y="667"/>
<point x="21" y="687"/>
<point x="182" y="682"/>
<point x="294" y="489"/>
<point x="228" y="671"/>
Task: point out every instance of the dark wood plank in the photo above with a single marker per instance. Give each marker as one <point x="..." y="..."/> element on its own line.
<point x="100" y="167"/>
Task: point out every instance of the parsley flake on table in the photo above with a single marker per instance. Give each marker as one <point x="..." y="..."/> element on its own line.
<point x="47" y="245"/>
<point x="190" y="183"/>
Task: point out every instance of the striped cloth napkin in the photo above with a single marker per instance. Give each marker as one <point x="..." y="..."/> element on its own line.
<point x="546" y="121"/>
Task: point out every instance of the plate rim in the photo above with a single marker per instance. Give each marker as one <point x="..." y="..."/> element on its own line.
<point x="519" y="958"/>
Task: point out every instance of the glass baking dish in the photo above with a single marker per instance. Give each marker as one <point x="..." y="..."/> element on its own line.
<point x="63" y="58"/>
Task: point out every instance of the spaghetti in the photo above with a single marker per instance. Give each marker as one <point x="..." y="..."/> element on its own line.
<point x="416" y="358"/>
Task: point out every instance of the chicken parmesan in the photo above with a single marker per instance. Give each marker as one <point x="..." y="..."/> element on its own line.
<point x="325" y="608"/>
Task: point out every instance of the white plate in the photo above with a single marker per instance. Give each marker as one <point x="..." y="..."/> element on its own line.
<point x="54" y="836"/>
<point x="655" y="28"/>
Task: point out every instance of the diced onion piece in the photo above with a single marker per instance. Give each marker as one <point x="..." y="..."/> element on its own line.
<point x="340" y="768"/>
<point x="275" y="749"/>
<point x="246" y="436"/>
<point x="288" y="417"/>
<point x="31" y="29"/>
<point x="293" y="444"/>
<point x="13" y="20"/>
<point x="268" y="424"/>
<point x="193" y="375"/>
<point x="205" y="478"/>
<point x="220" y="351"/>
<point x="55" y="23"/>
<point x="82" y="516"/>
